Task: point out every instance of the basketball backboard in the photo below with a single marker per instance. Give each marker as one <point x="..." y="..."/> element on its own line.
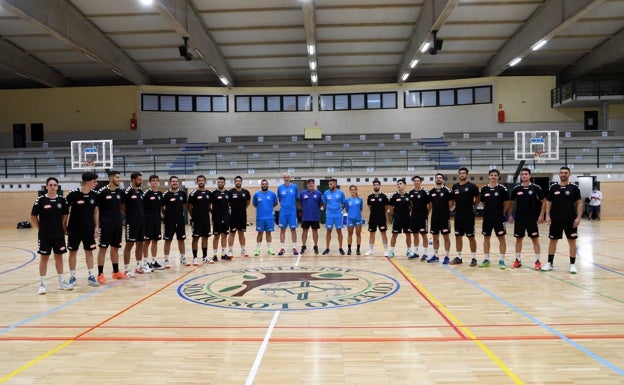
<point x="91" y="154"/>
<point x="536" y="145"/>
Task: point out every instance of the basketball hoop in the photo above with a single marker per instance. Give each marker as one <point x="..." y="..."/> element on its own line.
<point x="540" y="157"/>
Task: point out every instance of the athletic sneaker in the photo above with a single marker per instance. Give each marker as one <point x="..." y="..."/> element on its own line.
<point x="270" y="252"/>
<point x="139" y="270"/>
<point x="516" y="264"/>
<point x="295" y="252"/>
<point x="166" y="264"/>
<point x="281" y="252"/>
<point x="101" y="279"/>
<point x="424" y="258"/>
<point x="119" y="275"/>
<point x="473" y="262"/>
<point x="538" y="265"/>
<point x="386" y="254"/>
<point x="446" y="260"/>
<point x="485" y="263"/>
<point x="457" y="261"/>
<point x="226" y="257"/>
<point x="357" y="252"/>
<point x="72" y="282"/>
<point x="215" y="259"/>
<point x="434" y="258"/>
<point x="208" y="261"/>
<point x="572" y="269"/>
<point x="326" y="251"/>
<point x="65" y="286"/>
<point x="257" y="253"/>
<point x="410" y="254"/>
<point x="303" y="249"/>
<point x="316" y="250"/>
<point x="501" y="265"/>
<point x="348" y="251"/>
<point x="147" y="268"/>
<point x="390" y="254"/>
<point x="92" y="281"/>
<point x="195" y="262"/>
<point x="129" y="274"/>
<point x="547" y="266"/>
<point x="369" y="252"/>
<point x="42" y="289"/>
<point x="341" y="251"/>
<point x="184" y="261"/>
<point x="245" y="255"/>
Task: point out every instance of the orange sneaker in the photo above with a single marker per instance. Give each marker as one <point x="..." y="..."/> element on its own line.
<point x="119" y="275"/>
<point x="101" y="279"/>
<point x="516" y="264"/>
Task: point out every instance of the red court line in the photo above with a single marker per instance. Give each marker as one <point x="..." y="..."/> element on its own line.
<point x="313" y="339"/>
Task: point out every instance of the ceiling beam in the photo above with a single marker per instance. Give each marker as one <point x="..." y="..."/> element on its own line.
<point x="63" y="21"/>
<point x="606" y="53"/>
<point x="553" y="17"/>
<point x="29" y="67"/>
<point x="433" y="16"/>
<point x="187" y="22"/>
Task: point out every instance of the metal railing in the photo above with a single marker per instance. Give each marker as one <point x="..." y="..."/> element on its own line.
<point x="594" y="88"/>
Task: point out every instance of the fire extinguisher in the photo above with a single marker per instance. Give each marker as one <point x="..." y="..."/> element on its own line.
<point x="133" y="122"/>
<point x="501" y="116"/>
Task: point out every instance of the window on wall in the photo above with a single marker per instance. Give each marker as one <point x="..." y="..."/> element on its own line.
<point x="272" y="103"/>
<point x="184" y="103"/>
<point x="358" y="101"/>
<point x="448" y="97"/>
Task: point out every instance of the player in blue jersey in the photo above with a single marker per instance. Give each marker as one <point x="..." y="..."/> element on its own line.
<point x="288" y="193"/>
<point x="334" y="202"/>
<point x="354" y="206"/>
<point x="264" y="201"/>
<point x="311" y="201"/>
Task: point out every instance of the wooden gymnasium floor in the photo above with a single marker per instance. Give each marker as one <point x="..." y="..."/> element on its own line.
<point x="321" y="320"/>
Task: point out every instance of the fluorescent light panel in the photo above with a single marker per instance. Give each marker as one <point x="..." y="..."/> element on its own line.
<point x="515" y="61"/>
<point x="224" y="80"/>
<point x="539" y="44"/>
<point x="311" y="49"/>
<point x="405" y="76"/>
<point x="413" y="63"/>
<point x="425" y="47"/>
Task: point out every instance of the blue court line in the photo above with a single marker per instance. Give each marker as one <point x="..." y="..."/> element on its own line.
<point x="551" y="330"/>
<point x="34" y="256"/>
<point x="54" y="309"/>
<point x="603" y="267"/>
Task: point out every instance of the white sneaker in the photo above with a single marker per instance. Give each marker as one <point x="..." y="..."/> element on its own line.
<point x="369" y="252"/>
<point x="386" y="254"/>
<point x="572" y="269"/>
<point x="42" y="289"/>
<point x="130" y="274"/>
<point x="547" y="266"/>
<point x="195" y="262"/>
<point x="65" y="286"/>
<point x="146" y="269"/>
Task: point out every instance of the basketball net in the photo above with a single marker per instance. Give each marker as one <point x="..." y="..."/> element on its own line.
<point x="540" y="157"/>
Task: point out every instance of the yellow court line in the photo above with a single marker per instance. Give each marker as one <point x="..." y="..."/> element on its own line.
<point x="31" y="363"/>
<point x="457" y="322"/>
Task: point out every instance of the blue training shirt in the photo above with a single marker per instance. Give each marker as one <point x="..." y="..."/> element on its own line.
<point x="354" y="208"/>
<point x="333" y="202"/>
<point x="311" y="205"/>
<point x="264" y="203"/>
<point x="288" y="198"/>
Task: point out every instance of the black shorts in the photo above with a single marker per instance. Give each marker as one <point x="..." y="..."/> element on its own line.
<point x="153" y="229"/>
<point x="558" y="228"/>
<point x="175" y="227"/>
<point x="110" y="235"/>
<point x="377" y="223"/>
<point x="418" y="225"/>
<point x="48" y="245"/>
<point x="465" y="225"/>
<point x="401" y="225"/>
<point x="76" y="237"/>
<point x="498" y="227"/>
<point x="440" y="226"/>
<point x="530" y="228"/>
<point x="135" y="231"/>
<point x="314" y="225"/>
<point x="238" y="223"/>
<point x="200" y="228"/>
<point x="220" y="226"/>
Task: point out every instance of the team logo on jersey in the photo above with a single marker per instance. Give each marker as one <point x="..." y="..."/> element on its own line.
<point x="118" y="196"/>
<point x="275" y="288"/>
<point x="59" y="206"/>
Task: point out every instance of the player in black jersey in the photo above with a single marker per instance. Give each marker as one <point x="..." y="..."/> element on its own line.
<point x="239" y="201"/>
<point x="466" y="197"/>
<point x="199" y="211"/>
<point x="400" y="207"/>
<point x="564" y="210"/>
<point x="378" y="205"/>
<point x="133" y="208"/>
<point x="441" y="202"/>
<point x="49" y="214"/>
<point x="220" y="219"/>
<point x="173" y="204"/>
<point x="83" y="225"/>
<point x="110" y="198"/>
<point x="529" y="212"/>
<point x="495" y="200"/>
<point x="419" y="198"/>
<point x="152" y="199"/>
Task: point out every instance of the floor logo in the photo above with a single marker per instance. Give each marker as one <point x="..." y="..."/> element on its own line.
<point x="288" y="288"/>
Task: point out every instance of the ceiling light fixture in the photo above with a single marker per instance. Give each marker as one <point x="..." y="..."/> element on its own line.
<point x="413" y="63"/>
<point x="313" y="65"/>
<point x="314" y="78"/>
<point x="539" y="44"/>
<point x="311" y="49"/>
<point x="224" y="80"/>
<point x="147" y="2"/>
<point x="425" y="47"/>
<point x="405" y="76"/>
<point x="515" y="61"/>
